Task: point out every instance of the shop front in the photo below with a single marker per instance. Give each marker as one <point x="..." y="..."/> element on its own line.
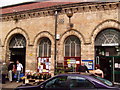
<point x="107" y="53"/>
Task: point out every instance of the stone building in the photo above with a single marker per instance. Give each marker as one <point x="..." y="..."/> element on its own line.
<point x="86" y="32"/>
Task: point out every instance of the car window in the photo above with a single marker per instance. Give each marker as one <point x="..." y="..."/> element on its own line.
<point x="79" y="82"/>
<point x="107" y="82"/>
<point x="58" y="82"/>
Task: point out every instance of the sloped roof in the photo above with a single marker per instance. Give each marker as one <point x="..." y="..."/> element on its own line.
<point x="30" y="6"/>
<point x="44" y="4"/>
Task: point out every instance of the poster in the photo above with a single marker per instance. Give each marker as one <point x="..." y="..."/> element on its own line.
<point x="43" y="64"/>
<point x="89" y="64"/>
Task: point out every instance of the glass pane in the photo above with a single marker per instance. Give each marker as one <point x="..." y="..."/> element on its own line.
<point x="49" y="51"/>
<point x="72" y="49"/>
<point x="40" y="51"/>
<point x="67" y="49"/>
<point x="79" y="82"/>
<point x="78" y="50"/>
<point x="58" y="82"/>
<point x="45" y="50"/>
<point x="107" y="82"/>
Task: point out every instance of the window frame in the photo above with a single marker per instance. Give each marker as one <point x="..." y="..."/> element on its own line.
<point x="68" y="44"/>
<point x="85" y="80"/>
<point x="42" y="51"/>
<point x="56" y="78"/>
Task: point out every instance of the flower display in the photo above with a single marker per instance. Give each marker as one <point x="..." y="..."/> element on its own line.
<point x="37" y="75"/>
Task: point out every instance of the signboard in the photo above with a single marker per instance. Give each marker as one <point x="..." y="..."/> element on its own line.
<point x="110" y="44"/>
<point x="72" y="62"/>
<point x="89" y="64"/>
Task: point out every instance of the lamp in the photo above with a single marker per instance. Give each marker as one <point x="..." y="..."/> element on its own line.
<point x="69" y="15"/>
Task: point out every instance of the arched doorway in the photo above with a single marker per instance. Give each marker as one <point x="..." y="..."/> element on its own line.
<point x="72" y="52"/>
<point x="17" y="47"/>
<point x="107" y="53"/>
<point x="44" y="55"/>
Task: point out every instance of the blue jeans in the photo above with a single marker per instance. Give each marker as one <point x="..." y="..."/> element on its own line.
<point x="18" y="75"/>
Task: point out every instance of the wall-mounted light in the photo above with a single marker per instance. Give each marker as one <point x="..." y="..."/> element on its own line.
<point x="69" y="14"/>
<point x="16" y="19"/>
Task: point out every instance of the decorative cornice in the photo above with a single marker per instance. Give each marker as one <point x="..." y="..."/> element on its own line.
<point x="76" y="8"/>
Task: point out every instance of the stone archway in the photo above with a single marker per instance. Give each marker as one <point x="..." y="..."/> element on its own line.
<point x="9" y="37"/>
<point x="17" y="49"/>
<point x="107" y="52"/>
<point x="106" y="40"/>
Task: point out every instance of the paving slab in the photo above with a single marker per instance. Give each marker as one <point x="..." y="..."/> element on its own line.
<point x="10" y="85"/>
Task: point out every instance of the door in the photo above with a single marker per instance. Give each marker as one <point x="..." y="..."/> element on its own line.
<point x="116" y="61"/>
<point x="110" y="66"/>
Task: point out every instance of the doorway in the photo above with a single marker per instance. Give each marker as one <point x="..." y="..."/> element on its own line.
<point x="110" y="66"/>
<point x="18" y="54"/>
<point x="17" y="48"/>
<point x="107" y="53"/>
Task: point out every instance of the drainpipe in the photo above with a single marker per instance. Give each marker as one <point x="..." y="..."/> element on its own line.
<point x="55" y="55"/>
<point x="56" y="25"/>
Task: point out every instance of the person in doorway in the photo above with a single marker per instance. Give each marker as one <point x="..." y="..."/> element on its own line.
<point x="83" y="68"/>
<point x="11" y="71"/>
<point x="98" y="71"/>
<point x="19" y="70"/>
<point x="4" y="72"/>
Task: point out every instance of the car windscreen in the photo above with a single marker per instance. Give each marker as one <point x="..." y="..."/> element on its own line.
<point x="107" y="82"/>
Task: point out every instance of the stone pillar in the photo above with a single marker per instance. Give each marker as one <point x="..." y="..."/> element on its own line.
<point x="87" y="52"/>
<point x="31" y="59"/>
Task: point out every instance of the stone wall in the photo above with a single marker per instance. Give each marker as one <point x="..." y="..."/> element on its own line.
<point x="88" y="21"/>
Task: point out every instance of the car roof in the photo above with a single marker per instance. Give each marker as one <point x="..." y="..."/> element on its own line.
<point x="77" y="74"/>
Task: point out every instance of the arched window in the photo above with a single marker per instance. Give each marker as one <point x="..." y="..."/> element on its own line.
<point x="18" y="41"/>
<point x="108" y="37"/>
<point x="72" y="47"/>
<point x="107" y="43"/>
<point x="45" y="48"/>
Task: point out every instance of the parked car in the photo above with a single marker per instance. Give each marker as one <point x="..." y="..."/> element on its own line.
<point x="72" y="82"/>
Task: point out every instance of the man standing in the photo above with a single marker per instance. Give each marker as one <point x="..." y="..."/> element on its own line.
<point x="10" y="71"/>
<point x="4" y="72"/>
<point x="19" y="70"/>
<point x="83" y="68"/>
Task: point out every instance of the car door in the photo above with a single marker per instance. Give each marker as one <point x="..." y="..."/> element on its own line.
<point x="57" y="83"/>
<point x="80" y="83"/>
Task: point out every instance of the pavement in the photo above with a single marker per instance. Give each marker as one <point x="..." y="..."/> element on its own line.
<point x="10" y="85"/>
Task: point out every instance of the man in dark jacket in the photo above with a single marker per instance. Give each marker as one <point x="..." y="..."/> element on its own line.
<point x="83" y="68"/>
<point x="4" y="72"/>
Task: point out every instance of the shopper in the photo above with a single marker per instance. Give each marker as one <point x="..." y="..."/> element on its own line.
<point x="83" y="68"/>
<point x="98" y="71"/>
<point x="11" y="71"/>
<point x="4" y="72"/>
<point x="19" y="70"/>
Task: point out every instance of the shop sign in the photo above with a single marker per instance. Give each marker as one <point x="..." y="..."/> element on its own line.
<point x="110" y="44"/>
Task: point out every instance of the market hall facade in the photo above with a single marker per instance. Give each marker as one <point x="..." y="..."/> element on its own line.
<point x="43" y="35"/>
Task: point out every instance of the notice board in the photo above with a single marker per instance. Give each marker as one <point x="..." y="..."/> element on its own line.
<point x="89" y="64"/>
